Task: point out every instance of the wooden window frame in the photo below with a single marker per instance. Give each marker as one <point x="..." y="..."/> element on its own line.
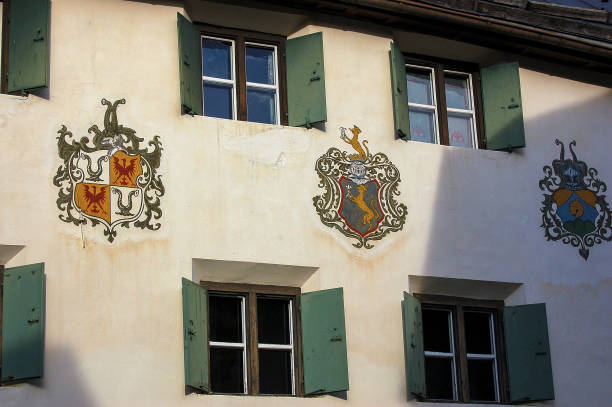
<point x="439" y="65"/>
<point x="240" y="39"/>
<point x="6" y="6"/>
<point x="250" y="293"/>
<point x="457" y="306"/>
<point x="1" y="302"/>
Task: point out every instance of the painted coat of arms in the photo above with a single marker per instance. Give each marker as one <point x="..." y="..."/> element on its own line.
<point x="111" y="180"/>
<point x="360" y="192"/>
<point x="574" y="209"/>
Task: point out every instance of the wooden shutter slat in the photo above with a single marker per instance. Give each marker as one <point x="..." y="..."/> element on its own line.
<point x="28" y="54"/>
<point x="528" y="353"/>
<point x="195" y="336"/>
<point x="190" y="66"/>
<point x="23" y="322"/>
<point x="502" y="106"/>
<point x="324" y="342"/>
<point x="401" y="114"/>
<point x="305" y="80"/>
<point x="413" y="346"/>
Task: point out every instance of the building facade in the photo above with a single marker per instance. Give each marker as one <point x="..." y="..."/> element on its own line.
<point x="314" y="207"/>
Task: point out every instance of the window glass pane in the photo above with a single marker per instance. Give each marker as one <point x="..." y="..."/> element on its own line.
<point x="260" y="65"/>
<point x="216" y="58"/>
<point x="481" y="377"/>
<point x="261" y="105"/>
<point x="422" y="126"/>
<point x="457" y="91"/>
<point x="478" y="332"/>
<point x="439" y="378"/>
<point x="274" y="371"/>
<point x="419" y="86"/>
<point x="436" y="330"/>
<point x="225" y="318"/>
<point x="273" y="321"/>
<point x="226" y="370"/>
<point x="459" y="130"/>
<point x="218" y="100"/>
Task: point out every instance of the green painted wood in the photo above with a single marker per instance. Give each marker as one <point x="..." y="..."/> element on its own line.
<point x="528" y="353"/>
<point x="413" y="347"/>
<point x="399" y="88"/>
<point x="23" y="322"/>
<point x="305" y="80"/>
<point x="195" y="336"/>
<point x="324" y="342"/>
<point x="28" y="54"/>
<point x="503" y="107"/>
<point x="190" y="66"/>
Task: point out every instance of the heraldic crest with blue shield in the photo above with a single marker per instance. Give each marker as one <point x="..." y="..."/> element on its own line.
<point x="360" y="192"/>
<point x="574" y="209"/>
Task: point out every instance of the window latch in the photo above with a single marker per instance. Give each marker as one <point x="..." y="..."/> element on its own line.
<point x="336" y="339"/>
<point x="32" y="321"/>
<point x="191" y="332"/>
<point x="315" y="78"/>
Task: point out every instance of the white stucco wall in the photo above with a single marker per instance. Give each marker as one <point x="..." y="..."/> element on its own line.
<point x="243" y="192"/>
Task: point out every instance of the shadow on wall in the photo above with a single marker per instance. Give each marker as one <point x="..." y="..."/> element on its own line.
<point x="487" y="211"/>
<point x="62" y="384"/>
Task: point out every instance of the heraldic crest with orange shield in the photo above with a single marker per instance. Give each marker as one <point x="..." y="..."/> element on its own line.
<point x="360" y="192"/>
<point x="111" y="180"/>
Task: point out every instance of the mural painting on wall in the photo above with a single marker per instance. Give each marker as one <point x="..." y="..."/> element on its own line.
<point x="109" y="180"/>
<point x="360" y="192"/>
<point x="574" y="209"/>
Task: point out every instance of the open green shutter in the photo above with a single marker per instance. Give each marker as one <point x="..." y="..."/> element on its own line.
<point x="305" y="80"/>
<point x="28" y="45"/>
<point x="528" y="353"/>
<point x="195" y="336"/>
<point x="23" y="322"/>
<point x="502" y="105"/>
<point x="413" y="347"/>
<point x="399" y="88"/>
<point x="324" y="342"/>
<point x="190" y="66"/>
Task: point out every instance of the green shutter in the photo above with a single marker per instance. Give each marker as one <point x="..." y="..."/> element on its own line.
<point x="503" y="108"/>
<point x="324" y="342"/>
<point x="28" y="45"/>
<point x="23" y="322"/>
<point x="306" y="80"/>
<point x="195" y="335"/>
<point x="190" y="66"/>
<point x="399" y="88"/>
<point x="413" y="346"/>
<point x="528" y="353"/>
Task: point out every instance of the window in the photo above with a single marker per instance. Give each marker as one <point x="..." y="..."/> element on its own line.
<point x="243" y="75"/>
<point x="467" y="350"/>
<point x="455" y="103"/>
<point x="251" y="339"/>
<point x="247" y="339"/>
<point x="442" y="103"/>
<point x="461" y="346"/>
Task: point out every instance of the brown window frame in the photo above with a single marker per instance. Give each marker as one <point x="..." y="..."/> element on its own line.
<point x="240" y="38"/>
<point x="1" y="302"/>
<point x="250" y="293"/>
<point x="457" y="305"/>
<point x="439" y="65"/>
<point x="6" y="5"/>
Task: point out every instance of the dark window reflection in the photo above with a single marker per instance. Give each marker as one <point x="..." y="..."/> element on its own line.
<point x="226" y="370"/>
<point x="478" y="332"/>
<point x="273" y="321"/>
<point x="439" y="378"/>
<point x="225" y="318"/>
<point x="436" y="330"/>
<point x="218" y="100"/>
<point x="274" y="371"/>
<point x="481" y="376"/>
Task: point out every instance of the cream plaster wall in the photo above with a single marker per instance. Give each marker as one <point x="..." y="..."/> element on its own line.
<point x="242" y="192"/>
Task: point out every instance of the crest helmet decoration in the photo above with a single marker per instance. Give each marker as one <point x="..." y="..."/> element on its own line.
<point x="360" y="191"/>
<point x="109" y="180"/>
<point x="574" y="209"/>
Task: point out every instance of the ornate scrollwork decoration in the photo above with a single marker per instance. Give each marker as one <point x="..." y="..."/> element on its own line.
<point x="360" y="192"/>
<point x="574" y="210"/>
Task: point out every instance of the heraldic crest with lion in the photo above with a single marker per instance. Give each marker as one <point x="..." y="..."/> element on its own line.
<point x="109" y="180"/>
<point x="360" y="192"/>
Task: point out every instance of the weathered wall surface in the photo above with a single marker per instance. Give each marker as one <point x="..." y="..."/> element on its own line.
<point x="242" y="191"/>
